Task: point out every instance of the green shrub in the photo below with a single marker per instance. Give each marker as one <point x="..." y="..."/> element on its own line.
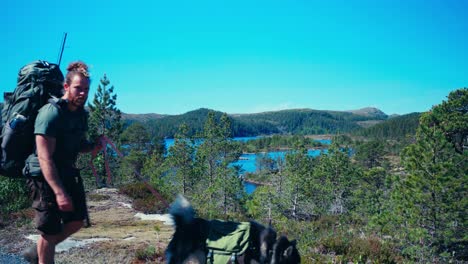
<point x="14" y="195"/>
<point x="371" y="249"/>
<point x="143" y="199"/>
<point x="335" y="244"/>
<point x="149" y="253"/>
<point x="136" y="190"/>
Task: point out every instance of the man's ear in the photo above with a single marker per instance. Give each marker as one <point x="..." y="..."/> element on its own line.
<point x="65" y="87"/>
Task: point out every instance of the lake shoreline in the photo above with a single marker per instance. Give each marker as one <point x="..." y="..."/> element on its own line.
<point x="257" y="183"/>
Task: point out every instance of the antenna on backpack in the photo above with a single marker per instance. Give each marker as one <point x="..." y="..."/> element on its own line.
<point x="63" y="46"/>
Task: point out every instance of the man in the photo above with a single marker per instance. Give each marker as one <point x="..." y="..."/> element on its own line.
<point x="60" y="134"/>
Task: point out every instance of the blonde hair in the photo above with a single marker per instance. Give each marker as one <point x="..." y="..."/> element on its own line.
<point x="74" y="68"/>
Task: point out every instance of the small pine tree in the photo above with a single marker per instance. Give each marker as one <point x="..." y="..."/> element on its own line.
<point x="105" y="119"/>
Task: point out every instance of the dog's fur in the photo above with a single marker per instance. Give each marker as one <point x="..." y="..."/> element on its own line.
<point x="188" y="245"/>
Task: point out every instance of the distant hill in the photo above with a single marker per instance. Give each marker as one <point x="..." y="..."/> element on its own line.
<point x="395" y="127"/>
<point x="294" y="121"/>
<point x="369" y="122"/>
<point x="369" y="112"/>
<point x="141" y="117"/>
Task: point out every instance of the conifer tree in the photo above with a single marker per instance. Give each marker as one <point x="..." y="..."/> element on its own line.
<point x="433" y="196"/>
<point x="137" y="141"/>
<point x="181" y="162"/>
<point x="298" y="174"/>
<point x="333" y="181"/>
<point x="220" y="182"/>
<point x="105" y="119"/>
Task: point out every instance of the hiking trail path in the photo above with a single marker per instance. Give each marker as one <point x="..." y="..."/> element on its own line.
<point x="118" y="234"/>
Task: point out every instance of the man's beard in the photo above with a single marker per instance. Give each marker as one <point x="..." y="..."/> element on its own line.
<point x="79" y="101"/>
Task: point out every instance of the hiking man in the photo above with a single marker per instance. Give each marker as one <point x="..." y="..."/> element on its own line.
<point x="60" y="134"/>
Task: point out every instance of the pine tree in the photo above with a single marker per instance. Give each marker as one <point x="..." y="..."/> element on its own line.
<point x="220" y="182"/>
<point x="137" y="148"/>
<point x="334" y="179"/>
<point x="105" y="119"/>
<point x="433" y="196"/>
<point x="181" y="162"/>
<point x="298" y="174"/>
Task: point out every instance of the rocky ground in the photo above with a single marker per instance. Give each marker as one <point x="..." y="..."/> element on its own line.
<point x="118" y="234"/>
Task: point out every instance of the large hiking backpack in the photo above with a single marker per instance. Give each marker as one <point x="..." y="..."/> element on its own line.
<point x="38" y="82"/>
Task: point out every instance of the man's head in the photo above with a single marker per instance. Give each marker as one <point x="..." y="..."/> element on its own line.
<point x="76" y="85"/>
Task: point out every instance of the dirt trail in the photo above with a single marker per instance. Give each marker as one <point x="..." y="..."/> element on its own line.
<point x="115" y="235"/>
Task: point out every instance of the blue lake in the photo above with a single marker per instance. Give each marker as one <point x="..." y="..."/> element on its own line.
<point x="248" y="161"/>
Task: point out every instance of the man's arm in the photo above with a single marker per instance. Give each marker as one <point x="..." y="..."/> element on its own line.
<point x="45" y="149"/>
<point x="88" y="146"/>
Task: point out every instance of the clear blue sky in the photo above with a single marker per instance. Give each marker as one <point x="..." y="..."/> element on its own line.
<point x="170" y="57"/>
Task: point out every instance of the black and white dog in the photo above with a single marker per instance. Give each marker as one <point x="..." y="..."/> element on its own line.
<point x="188" y="244"/>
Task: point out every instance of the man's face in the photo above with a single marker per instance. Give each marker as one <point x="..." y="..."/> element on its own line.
<point x="77" y="91"/>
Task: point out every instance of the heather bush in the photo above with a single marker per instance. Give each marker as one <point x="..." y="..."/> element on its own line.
<point x="14" y="196"/>
<point x="143" y="199"/>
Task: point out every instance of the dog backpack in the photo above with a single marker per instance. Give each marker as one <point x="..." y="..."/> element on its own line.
<point x="37" y="82"/>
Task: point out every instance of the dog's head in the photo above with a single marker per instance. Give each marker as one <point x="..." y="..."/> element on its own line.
<point x="285" y="252"/>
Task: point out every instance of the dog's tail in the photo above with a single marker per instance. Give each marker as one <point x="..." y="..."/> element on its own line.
<point x="182" y="211"/>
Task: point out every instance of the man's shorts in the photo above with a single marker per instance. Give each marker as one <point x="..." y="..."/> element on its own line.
<point x="49" y="219"/>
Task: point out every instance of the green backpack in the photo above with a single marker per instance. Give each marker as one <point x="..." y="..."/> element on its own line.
<point x="38" y="82"/>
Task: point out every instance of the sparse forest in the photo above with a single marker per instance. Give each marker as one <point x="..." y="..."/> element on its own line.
<point x="395" y="192"/>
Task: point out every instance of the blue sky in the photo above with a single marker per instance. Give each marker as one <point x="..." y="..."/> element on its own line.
<point x="170" y="57"/>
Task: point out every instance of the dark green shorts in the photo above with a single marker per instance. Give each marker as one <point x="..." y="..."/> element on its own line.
<point x="49" y="219"/>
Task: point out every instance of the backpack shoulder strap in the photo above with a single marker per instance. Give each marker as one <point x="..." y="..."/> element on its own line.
<point x="57" y="103"/>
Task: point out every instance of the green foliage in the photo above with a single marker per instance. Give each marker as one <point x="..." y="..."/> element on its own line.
<point x="451" y="117"/>
<point x="302" y="121"/>
<point x="334" y="180"/>
<point x="372" y="200"/>
<point x="278" y="142"/>
<point x="371" y="154"/>
<point x="143" y="199"/>
<point x="433" y="196"/>
<point x="181" y="161"/>
<point x="393" y="128"/>
<point x="298" y="121"/>
<point x="143" y="155"/>
<point x="329" y="240"/>
<point x="371" y="249"/>
<point x="131" y="166"/>
<point x="219" y="182"/>
<point x="298" y="175"/>
<point x="13" y="195"/>
<point x="136" y="137"/>
<point x="168" y="126"/>
<point x="149" y="253"/>
<point x="105" y="119"/>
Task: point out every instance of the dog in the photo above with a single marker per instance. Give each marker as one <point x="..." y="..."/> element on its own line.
<point x="189" y="242"/>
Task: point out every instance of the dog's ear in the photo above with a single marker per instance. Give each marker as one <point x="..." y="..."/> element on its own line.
<point x="293" y="242"/>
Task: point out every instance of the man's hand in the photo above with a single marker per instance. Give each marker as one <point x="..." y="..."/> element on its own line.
<point x="64" y="202"/>
<point x="98" y="144"/>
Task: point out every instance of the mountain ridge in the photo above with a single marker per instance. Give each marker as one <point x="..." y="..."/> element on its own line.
<point x="303" y="121"/>
<point x="366" y="111"/>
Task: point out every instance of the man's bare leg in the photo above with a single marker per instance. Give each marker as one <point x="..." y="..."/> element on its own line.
<point x="46" y="243"/>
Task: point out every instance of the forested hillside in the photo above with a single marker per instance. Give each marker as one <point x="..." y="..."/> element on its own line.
<point x="296" y="121"/>
<point x="393" y="128"/>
